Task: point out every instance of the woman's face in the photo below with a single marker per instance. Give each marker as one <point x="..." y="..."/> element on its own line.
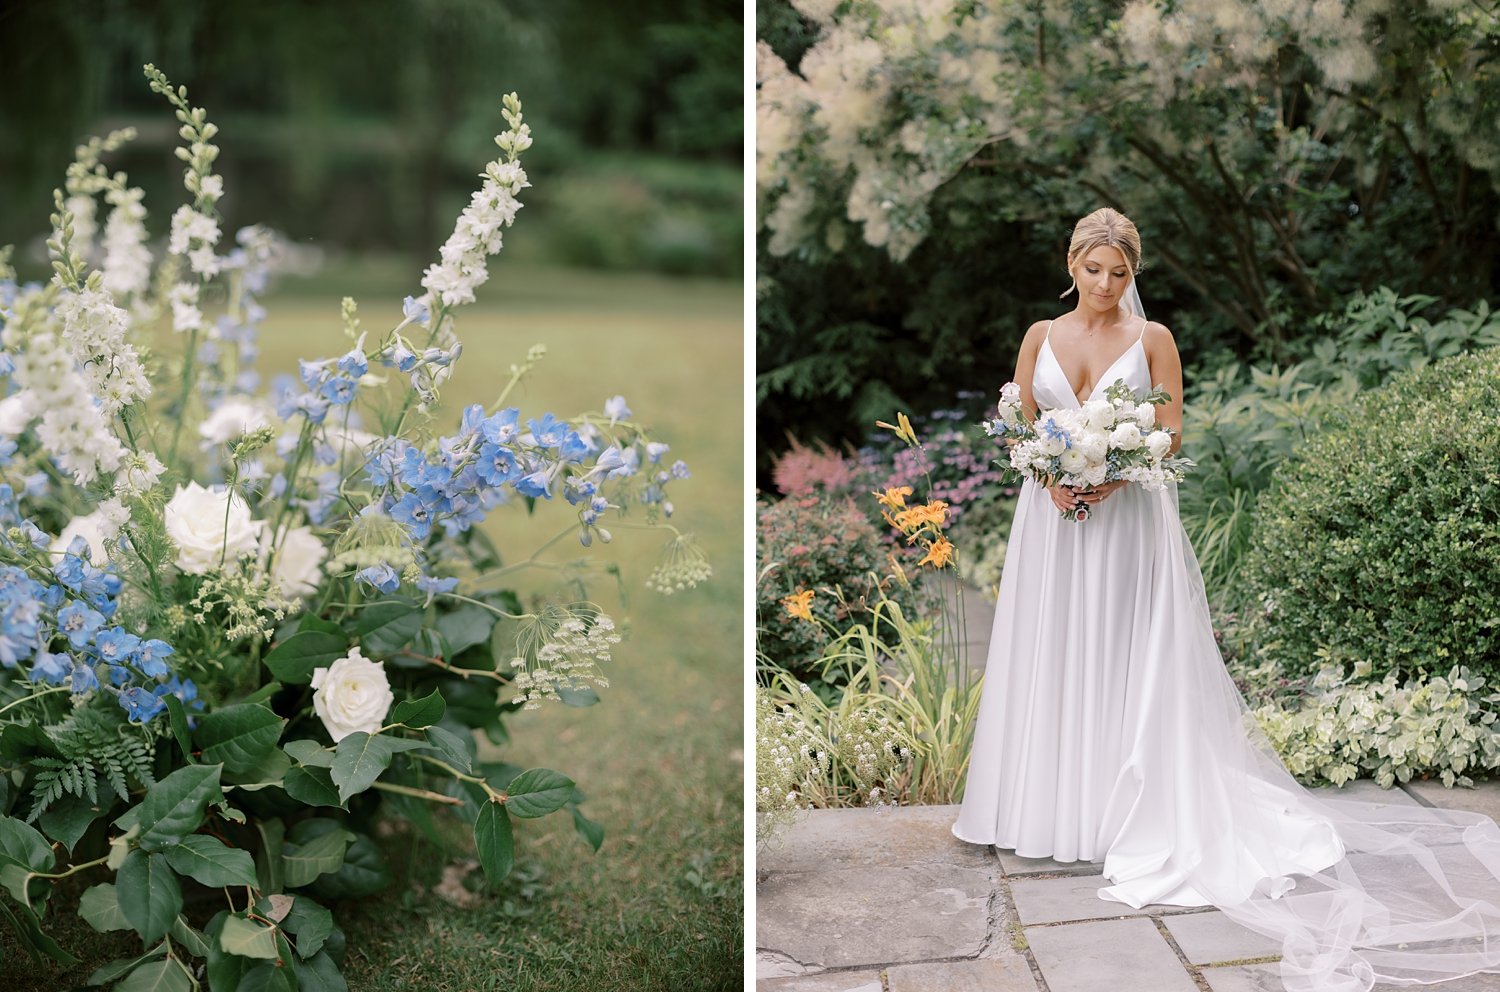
<point x="1102" y="276"/>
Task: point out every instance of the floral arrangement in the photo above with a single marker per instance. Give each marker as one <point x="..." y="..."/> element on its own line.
<point x="1107" y="439"/>
<point x="235" y="625"/>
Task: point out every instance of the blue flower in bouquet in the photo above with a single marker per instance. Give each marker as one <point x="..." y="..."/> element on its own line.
<point x="119" y="675"/>
<point x="416" y="312"/>
<point x="495" y="465"/>
<point x="383" y="577"/>
<point x="117" y="645"/>
<point x="573" y="448"/>
<point x="680" y="470"/>
<point x="79" y="624"/>
<point x="654" y="451"/>
<point x="434" y="586"/>
<point x="183" y="689"/>
<point x="140" y="704"/>
<point x="412" y="511"/>
<point x="537" y="485"/>
<point x="616" y="410"/>
<point x="83" y="678"/>
<point x="149" y="658"/>
<point x="51" y="668"/>
<point x="548" y="432"/>
<point x="502" y="426"/>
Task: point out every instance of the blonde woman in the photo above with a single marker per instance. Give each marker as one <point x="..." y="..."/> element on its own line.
<point x="1109" y="730"/>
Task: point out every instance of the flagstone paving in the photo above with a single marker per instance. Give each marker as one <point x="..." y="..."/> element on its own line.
<point x="890" y="901"/>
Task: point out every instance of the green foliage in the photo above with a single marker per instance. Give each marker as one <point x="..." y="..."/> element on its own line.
<point x="1239" y="432"/>
<point x="93" y="746"/>
<point x="1375" y="542"/>
<point x="1443" y="726"/>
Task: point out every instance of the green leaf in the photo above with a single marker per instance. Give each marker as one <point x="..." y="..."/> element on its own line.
<point x="105" y="974"/>
<point x="364" y="872"/>
<point x="263" y="694"/>
<point x="269" y="771"/>
<point x="294" y="659"/>
<point x="177" y="720"/>
<point x="537" y="792"/>
<point x="493" y="840"/>
<point x="100" y="907"/>
<point x="465" y="627"/>
<point x="588" y="829"/>
<point x="268" y="859"/>
<point x="29" y="929"/>
<point x="239" y="736"/>
<point x="311" y="621"/>
<point x="225" y="972"/>
<point x="319" y="856"/>
<point x="361" y="757"/>
<point x="385" y="626"/>
<point x="248" y="938"/>
<point x="319" y="974"/>
<point x="184" y="934"/>
<point x="451" y="747"/>
<point x="17" y="881"/>
<point x="148" y="893"/>
<point x="166" y="975"/>
<point x="209" y="861"/>
<point x="312" y="787"/>
<point x="68" y="819"/>
<point x="309" y="923"/>
<point x="420" y="713"/>
<point x="307" y="752"/>
<point x="174" y="807"/>
<point x="22" y="844"/>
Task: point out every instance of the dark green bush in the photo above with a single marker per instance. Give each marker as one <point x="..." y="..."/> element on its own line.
<point x="1379" y="540"/>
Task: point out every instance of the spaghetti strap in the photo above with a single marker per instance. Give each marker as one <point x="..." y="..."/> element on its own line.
<point x="1048" y="335"/>
<point x="1144" y="322"/>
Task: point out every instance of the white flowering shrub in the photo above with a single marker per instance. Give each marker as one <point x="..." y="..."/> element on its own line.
<point x="1347" y="728"/>
<point x="236" y="621"/>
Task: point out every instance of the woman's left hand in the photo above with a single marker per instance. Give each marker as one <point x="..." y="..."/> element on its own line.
<point x="1098" y="494"/>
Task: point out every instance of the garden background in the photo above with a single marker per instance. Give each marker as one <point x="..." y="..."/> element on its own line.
<point x="356" y="130"/>
<point x="1316" y="190"/>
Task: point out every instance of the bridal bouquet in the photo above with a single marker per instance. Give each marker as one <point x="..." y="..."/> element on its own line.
<point x="1114" y="437"/>
<point x="237" y="624"/>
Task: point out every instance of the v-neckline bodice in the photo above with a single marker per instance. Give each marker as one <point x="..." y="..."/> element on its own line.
<point x="1103" y="379"/>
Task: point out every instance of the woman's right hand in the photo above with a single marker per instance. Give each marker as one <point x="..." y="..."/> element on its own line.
<point x="1063" y="497"/>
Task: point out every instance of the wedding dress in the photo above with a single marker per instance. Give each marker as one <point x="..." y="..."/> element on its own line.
<point x="1109" y="730"/>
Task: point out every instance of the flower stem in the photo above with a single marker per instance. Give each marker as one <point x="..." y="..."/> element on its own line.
<point x="432" y="797"/>
<point x="34" y="695"/>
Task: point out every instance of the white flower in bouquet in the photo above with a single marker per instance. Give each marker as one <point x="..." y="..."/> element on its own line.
<point x="97" y="528"/>
<point x="1094" y="447"/>
<point x="1096" y="473"/>
<point x="234" y="419"/>
<point x="1100" y="414"/>
<point x="1159" y="443"/>
<point x="297" y="566"/>
<point x="1145" y="415"/>
<point x="210" y="527"/>
<point x="353" y="694"/>
<point x="1073" y="461"/>
<point x="1010" y="394"/>
<point x="1126" y="437"/>
<point x="15" y="415"/>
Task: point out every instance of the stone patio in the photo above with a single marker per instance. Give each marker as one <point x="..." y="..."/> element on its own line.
<point x="858" y="900"/>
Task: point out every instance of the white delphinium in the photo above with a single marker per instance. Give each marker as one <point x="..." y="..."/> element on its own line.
<point x="185" y="313"/>
<point x="97" y="333"/>
<point x="194" y="235"/>
<point x="138" y="475"/>
<point x="477" y="234"/>
<point x="127" y="260"/>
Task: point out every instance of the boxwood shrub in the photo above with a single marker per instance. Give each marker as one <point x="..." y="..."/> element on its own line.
<point x="1378" y="541"/>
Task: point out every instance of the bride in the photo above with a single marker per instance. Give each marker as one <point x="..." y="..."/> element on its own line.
<point x="1109" y="729"/>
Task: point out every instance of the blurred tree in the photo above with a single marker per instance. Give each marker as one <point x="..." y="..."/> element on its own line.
<point x="1278" y="157"/>
<point x="360" y="122"/>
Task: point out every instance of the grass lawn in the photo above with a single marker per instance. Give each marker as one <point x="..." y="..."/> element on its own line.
<point x="660" y="906"/>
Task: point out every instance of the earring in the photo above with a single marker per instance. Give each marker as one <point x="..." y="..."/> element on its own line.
<point x="1068" y="290"/>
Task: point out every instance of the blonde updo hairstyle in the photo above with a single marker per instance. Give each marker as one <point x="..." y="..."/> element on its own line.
<point x="1105" y="226"/>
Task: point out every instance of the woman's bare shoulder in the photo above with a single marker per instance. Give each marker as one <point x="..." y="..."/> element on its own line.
<point x="1034" y="335"/>
<point x="1157" y="334"/>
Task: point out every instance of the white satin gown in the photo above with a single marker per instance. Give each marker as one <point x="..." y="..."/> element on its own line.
<point x="1109" y="730"/>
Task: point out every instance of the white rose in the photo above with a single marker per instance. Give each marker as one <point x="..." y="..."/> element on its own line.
<point x="233" y="420"/>
<point x="1094" y="447"/>
<point x="352" y="694"/>
<point x="1099" y="413"/>
<point x="1126" y="437"/>
<point x="195" y="520"/>
<point x="1145" y="415"/>
<point x="1158" y="443"/>
<point x="298" y="565"/>
<point x="1094" y="474"/>
<point x="15" y="414"/>
<point x="1072" y="461"/>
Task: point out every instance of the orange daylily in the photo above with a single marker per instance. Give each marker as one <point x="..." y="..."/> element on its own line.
<point x="902" y="427"/>
<point x="894" y="498"/>
<point x="799" y="605"/>
<point x="933" y="513"/>
<point x="939" y="553"/>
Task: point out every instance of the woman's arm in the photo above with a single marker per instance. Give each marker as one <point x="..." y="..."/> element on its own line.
<point x="1026" y="364"/>
<point x="1166" y="372"/>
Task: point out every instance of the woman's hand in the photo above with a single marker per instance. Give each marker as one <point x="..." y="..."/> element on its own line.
<point x="1098" y="494"/>
<point x="1063" y="497"/>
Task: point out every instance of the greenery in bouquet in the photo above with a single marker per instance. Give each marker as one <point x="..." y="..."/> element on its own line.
<point x="235" y="625"/>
